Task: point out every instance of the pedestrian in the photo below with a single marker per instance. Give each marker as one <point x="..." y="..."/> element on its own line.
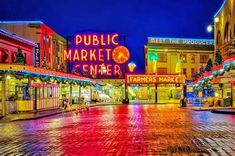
<point x="64" y="101"/>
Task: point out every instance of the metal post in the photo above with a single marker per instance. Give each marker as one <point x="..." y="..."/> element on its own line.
<point x="70" y="92"/>
<point x="35" y="99"/>
<point x="155" y="93"/>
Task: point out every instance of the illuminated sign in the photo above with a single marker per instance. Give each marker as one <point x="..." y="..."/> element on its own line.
<point x="97" y="54"/>
<point x="152" y="40"/>
<point x="121" y="54"/>
<point x="37" y="55"/>
<point x="154" y="79"/>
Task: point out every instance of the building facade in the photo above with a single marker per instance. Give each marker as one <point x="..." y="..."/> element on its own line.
<point x="174" y="61"/>
<point x="224" y="28"/>
<point x="24" y="87"/>
<point x="51" y="45"/>
<point x="224" y="35"/>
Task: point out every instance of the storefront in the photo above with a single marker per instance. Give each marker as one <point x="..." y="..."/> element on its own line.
<point x="25" y="88"/>
<point x="108" y="91"/>
<point x="156" y="88"/>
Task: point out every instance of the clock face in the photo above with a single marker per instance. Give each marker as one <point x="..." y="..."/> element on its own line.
<point x="121" y="54"/>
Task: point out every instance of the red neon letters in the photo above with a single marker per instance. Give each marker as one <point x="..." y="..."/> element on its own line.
<point x="93" y="54"/>
<point x="94" y="40"/>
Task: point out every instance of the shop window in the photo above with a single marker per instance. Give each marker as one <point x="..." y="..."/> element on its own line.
<point x="4" y="56"/>
<point x="185" y="71"/>
<point x="22" y="92"/>
<point x="161" y="71"/>
<point x="162" y="57"/>
<point x="45" y="92"/>
<point x="204" y="58"/>
<point x="193" y="59"/>
<point x="25" y="58"/>
<point x="218" y="39"/>
<point x="49" y="92"/>
<point x="13" y="57"/>
<point x="227" y="33"/>
<point x="183" y="57"/>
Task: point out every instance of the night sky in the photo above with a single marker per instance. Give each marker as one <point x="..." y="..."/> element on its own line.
<point x="137" y="19"/>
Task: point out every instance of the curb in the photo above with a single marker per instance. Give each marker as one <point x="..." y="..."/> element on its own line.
<point x="37" y="117"/>
<point x="223" y="112"/>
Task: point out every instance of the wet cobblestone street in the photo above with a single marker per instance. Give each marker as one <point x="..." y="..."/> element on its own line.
<point x="122" y="130"/>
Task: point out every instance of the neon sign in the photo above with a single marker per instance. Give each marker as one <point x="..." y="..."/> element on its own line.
<point x="154" y="79"/>
<point x="97" y="54"/>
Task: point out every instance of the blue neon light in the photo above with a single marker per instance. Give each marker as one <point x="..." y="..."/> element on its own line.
<point x="21" y="22"/>
<point x="222" y="6"/>
<point x="182" y="39"/>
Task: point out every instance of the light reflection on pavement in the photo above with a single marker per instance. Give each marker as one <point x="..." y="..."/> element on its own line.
<point x="122" y="130"/>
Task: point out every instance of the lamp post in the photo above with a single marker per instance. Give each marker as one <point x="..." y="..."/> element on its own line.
<point x="179" y="70"/>
<point x="211" y="26"/>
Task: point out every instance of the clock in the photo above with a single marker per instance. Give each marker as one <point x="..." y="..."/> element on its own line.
<point x="120" y="54"/>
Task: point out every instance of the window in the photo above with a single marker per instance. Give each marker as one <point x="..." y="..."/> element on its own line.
<point x="227" y="33"/>
<point x="162" y="57"/>
<point x="185" y="71"/>
<point x="193" y="59"/>
<point x="3" y="56"/>
<point x="13" y="57"/>
<point x="25" y="58"/>
<point x="218" y="39"/>
<point x="162" y="71"/>
<point x="183" y="57"/>
<point x="204" y="58"/>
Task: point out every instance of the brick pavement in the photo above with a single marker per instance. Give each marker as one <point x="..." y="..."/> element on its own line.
<point x="122" y="130"/>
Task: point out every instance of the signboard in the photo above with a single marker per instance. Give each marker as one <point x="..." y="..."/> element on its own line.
<point x="97" y="55"/>
<point x="152" y="40"/>
<point x="37" y="55"/>
<point x="154" y="79"/>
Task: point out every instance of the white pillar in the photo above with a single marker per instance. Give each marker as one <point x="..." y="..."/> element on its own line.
<point x="79" y="93"/>
<point x="90" y="93"/>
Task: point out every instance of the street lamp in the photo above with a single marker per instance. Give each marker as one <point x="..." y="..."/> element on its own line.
<point x="216" y="19"/>
<point x="209" y="28"/>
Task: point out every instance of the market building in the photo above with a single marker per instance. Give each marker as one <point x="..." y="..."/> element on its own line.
<point x="169" y="63"/>
<point x="103" y="57"/>
<point x="28" y="87"/>
<point x="222" y="76"/>
<point x="49" y="43"/>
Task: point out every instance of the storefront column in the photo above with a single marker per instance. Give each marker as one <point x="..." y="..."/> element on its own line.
<point x="155" y="93"/>
<point x="90" y="93"/>
<point x="232" y="85"/>
<point x="70" y="93"/>
<point x="4" y="97"/>
<point x="148" y="92"/>
<point x="35" y="99"/>
<point x="79" y="92"/>
<point x="126" y="100"/>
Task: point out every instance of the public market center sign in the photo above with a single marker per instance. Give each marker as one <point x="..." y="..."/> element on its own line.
<point x="97" y="55"/>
